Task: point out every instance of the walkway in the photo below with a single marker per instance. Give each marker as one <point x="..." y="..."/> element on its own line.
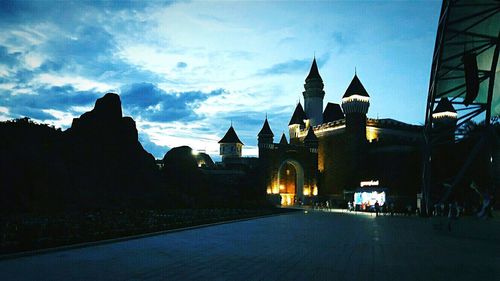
<point x="297" y="246"/>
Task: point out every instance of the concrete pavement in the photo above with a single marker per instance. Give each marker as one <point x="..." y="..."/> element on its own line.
<point x="296" y="246"/>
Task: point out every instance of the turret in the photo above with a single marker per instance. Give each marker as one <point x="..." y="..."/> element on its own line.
<point x="230" y="145"/>
<point x="445" y="119"/>
<point x="266" y="134"/>
<point x="296" y="123"/>
<point x="355" y="104"/>
<point x="313" y="96"/>
<point x="265" y="140"/>
<point x="283" y="139"/>
<point x="310" y="140"/>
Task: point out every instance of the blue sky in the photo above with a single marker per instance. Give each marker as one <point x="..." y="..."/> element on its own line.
<point x="185" y="70"/>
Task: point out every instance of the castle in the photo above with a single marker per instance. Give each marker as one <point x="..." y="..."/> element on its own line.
<point x="331" y="151"/>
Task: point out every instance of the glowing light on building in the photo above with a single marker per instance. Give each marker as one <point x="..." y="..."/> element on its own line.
<point x="276" y="189"/>
<point x="306" y="191"/>
<point x="269" y="191"/>
<point x="287" y="199"/>
<point x="371" y="134"/>
<point x="318" y="132"/>
<point x="446" y="114"/>
<point x="355" y="98"/>
<point x="315" y="191"/>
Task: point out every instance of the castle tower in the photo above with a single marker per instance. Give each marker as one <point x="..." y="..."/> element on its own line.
<point x="313" y="96"/>
<point x="265" y="138"/>
<point x="355" y="104"/>
<point x="296" y="123"/>
<point x="230" y="145"/>
<point x="445" y="119"/>
<point x="266" y="134"/>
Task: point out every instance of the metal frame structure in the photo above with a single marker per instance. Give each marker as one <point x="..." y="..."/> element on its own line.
<point x="465" y="27"/>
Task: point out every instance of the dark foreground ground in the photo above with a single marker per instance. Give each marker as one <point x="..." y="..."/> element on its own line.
<point x="29" y="232"/>
<point x="296" y="246"/>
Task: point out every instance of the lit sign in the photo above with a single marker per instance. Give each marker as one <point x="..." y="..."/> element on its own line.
<point x="369" y="198"/>
<point x="369" y="183"/>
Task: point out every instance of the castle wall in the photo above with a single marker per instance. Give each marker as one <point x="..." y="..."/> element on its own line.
<point x="332" y="156"/>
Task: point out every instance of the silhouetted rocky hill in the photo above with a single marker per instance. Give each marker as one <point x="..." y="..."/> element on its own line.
<point x="97" y="163"/>
<point x="107" y="158"/>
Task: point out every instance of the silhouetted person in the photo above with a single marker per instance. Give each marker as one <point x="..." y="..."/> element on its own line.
<point x="377" y="208"/>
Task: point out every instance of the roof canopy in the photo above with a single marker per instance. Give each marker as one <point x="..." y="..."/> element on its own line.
<point x="468" y="31"/>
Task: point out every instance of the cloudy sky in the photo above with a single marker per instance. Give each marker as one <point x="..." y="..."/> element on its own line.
<point x="186" y="69"/>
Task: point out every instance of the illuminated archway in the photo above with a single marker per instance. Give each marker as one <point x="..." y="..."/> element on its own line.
<point x="290" y="182"/>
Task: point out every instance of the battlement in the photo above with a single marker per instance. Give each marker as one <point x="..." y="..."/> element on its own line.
<point x="324" y="128"/>
<point x="388" y="123"/>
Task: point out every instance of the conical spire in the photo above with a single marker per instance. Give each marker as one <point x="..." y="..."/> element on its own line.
<point x="266" y="130"/>
<point x="355" y="88"/>
<point x="444" y="105"/>
<point x="230" y="136"/>
<point x="283" y="139"/>
<point x="311" y="136"/>
<point x="314" y="72"/>
<point x="298" y="116"/>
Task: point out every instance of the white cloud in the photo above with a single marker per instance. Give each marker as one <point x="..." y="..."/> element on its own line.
<point x="176" y="134"/>
<point x="79" y="83"/>
<point x="33" y="60"/>
<point x="225" y="45"/>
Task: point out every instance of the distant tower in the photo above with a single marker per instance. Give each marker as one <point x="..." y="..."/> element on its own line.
<point x="230" y="145"/>
<point x="445" y="119"/>
<point x="355" y="104"/>
<point x="310" y="140"/>
<point x="296" y="123"/>
<point x="313" y="96"/>
<point x="283" y="139"/>
<point x="265" y="137"/>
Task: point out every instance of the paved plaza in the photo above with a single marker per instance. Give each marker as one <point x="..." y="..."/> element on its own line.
<point x="298" y="246"/>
